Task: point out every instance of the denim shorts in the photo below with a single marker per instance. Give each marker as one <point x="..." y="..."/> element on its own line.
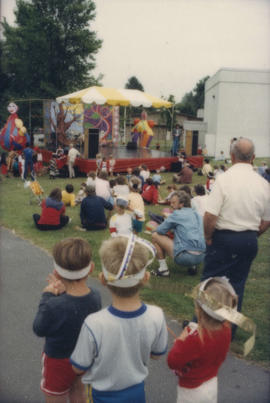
<point x="188" y="259"/>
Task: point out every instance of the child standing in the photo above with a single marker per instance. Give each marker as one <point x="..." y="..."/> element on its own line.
<point x="98" y="162"/>
<point x="64" y="305"/>
<point x="111" y="165"/>
<point x="201" y="348"/>
<point x="121" y="222"/>
<point x="53" y="170"/>
<point x="68" y="196"/>
<point x="104" y="167"/>
<point x="129" y="174"/>
<point x="115" y="344"/>
<point x="136" y="205"/>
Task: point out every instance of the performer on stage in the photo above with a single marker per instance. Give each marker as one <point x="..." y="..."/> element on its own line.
<point x="143" y="131"/>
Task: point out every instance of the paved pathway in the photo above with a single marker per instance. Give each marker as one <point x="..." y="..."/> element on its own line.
<point x="24" y="269"/>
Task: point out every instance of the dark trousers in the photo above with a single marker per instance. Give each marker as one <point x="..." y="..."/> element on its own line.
<point x="231" y="255"/>
<point x="45" y="227"/>
<point x="28" y="164"/>
<point x="95" y="227"/>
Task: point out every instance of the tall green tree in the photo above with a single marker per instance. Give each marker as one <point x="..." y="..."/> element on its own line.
<point x="193" y="100"/>
<point x="51" y="49"/>
<point x="134" y="84"/>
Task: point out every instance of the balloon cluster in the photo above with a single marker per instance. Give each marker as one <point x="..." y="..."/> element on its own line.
<point x="14" y="135"/>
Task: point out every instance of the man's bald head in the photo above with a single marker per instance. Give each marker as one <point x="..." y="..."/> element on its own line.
<point x="242" y="150"/>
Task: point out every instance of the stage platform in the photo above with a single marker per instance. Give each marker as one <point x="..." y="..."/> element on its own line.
<point x="153" y="159"/>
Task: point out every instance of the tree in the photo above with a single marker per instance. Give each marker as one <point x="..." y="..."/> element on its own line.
<point x="51" y="49"/>
<point x="194" y="100"/>
<point x="134" y="84"/>
<point x="167" y="114"/>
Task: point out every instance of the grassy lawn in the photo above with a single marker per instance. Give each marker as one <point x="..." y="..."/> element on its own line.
<point x="16" y="214"/>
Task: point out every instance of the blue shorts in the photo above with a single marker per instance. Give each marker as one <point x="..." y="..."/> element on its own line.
<point x="188" y="259"/>
<point x="137" y="225"/>
<point x="133" y="394"/>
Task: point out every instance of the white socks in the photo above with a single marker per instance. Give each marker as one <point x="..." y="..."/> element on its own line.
<point x="162" y="265"/>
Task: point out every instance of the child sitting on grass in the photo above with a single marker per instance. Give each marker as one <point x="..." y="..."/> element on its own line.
<point x="91" y="179"/>
<point x="136" y="205"/>
<point x="199" y="351"/>
<point x="150" y="193"/>
<point x="121" y="222"/>
<point x="68" y="196"/>
<point x="65" y="303"/>
<point x="171" y="189"/>
<point x="81" y="193"/>
<point x="115" y="344"/>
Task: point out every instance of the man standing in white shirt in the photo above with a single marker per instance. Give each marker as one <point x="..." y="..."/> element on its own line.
<point x="237" y="212"/>
<point x="73" y="153"/>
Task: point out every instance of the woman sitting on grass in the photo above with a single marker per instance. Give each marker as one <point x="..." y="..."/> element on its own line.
<point x="52" y="215"/>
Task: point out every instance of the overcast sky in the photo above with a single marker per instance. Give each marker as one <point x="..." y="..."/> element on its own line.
<point x="169" y="45"/>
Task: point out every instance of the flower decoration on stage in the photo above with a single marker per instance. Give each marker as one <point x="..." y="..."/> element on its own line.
<point x="14" y="135"/>
<point x="142" y="130"/>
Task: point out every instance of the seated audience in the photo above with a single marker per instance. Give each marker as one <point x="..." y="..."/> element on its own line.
<point x="81" y="193"/>
<point x="91" y="179"/>
<point x="188" y="245"/>
<point x="210" y="182"/>
<point x="207" y="167"/>
<point x="92" y="212"/>
<point x="68" y="196"/>
<point x="121" y="188"/>
<point x="103" y="187"/>
<point x="150" y="193"/>
<point x="199" y="201"/>
<point x="157" y="178"/>
<point x="171" y="189"/>
<point x="266" y="174"/>
<point x="121" y="222"/>
<point x="145" y="173"/>
<point x="184" y="176"/>
<point x="136" y="205"/>
<point x="53" y="212"/>
<point x="186" y="189"/>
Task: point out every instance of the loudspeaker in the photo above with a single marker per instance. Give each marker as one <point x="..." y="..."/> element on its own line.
<point x="93" y="142"/>
<point x="132" y="145"/>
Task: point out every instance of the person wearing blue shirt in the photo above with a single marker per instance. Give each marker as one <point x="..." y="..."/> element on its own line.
<point x="188" y="245"/>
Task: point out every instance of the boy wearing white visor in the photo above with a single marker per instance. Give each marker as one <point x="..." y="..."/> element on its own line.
<point x="115" y="344"/>
<point x="64" y="305"/>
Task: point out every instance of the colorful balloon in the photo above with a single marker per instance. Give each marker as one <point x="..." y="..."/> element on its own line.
<point x="13" y="136"/>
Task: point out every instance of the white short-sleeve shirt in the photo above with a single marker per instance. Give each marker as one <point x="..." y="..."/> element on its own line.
<point x="114" y="346"/>
<point x="240" y="198"/>
<point x="121" y="223"/>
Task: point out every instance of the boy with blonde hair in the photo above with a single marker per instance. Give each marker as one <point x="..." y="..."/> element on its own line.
<point x="65" y="303"/>
<point x="115" y="345"/>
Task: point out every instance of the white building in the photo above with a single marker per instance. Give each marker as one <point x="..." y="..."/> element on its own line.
<point x="237" y="103"/>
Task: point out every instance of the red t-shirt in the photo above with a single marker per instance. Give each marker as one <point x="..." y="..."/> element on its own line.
<point x="195" y="361"/>
<point x="150" y="194"/>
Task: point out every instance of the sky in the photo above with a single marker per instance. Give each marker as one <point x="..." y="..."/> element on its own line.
<point x="169" y="45"/>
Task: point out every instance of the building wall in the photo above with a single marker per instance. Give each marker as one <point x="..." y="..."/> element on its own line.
<point x="237" y="103"/>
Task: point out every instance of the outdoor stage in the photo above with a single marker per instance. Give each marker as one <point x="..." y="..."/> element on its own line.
<point x="153" y="159"/>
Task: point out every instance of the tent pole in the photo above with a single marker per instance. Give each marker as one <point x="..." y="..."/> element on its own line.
<point x="125" y="123"/>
